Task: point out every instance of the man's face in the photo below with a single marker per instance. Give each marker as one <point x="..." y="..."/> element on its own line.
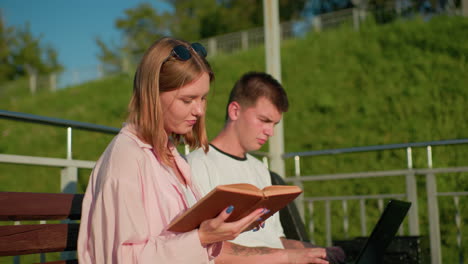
<point x="255" y="124"/>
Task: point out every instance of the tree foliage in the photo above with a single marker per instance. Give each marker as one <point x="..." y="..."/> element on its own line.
<point x="22" y="53"/>
<point x="6" y="65"/>
<point x="110" y="57"/>
<point x="194" y="20"/>
<point x="140" y="25"/>
<point x="190" y="20"/>
<point x="207" y="18"/>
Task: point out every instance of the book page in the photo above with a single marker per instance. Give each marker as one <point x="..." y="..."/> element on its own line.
<point x="281" y="189"/>
<point x="241" y="188"/>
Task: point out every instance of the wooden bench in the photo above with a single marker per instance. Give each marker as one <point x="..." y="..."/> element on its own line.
<point x="26" y="239"/>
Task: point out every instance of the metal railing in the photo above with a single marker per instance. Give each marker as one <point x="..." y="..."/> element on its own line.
<point x="306" y="204"/>
<point x="411" y="193"/>
<point x="70" y="166"/>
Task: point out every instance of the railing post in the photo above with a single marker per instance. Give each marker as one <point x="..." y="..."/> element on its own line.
<point x="356" y="19"/>
<point x="69" y="175"/>
<point x="459" y="229"/>
<point x="245" y="40"/>
<point x="33" y="83"/>
<point x="298" y="182"/>
<point x="328" y="227"/>
<point x="412" y="195"/>
<point x="212" y="46"/>
<point x="380" y="205"/>
<point x="317" y="23"/>
<point x="362" y="211"/>
<point x="186" y="149"/>
<point x="311" y="222"/>
<point x="68" y="184"/>
<point x="345" y="218"/>
<point x="53" y="82"/>
<point x="433" y="207"/>
<point x="464" y="8"/>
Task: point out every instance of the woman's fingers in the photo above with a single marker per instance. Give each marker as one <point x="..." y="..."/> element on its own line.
<point x="217" y="229"/>
<point x="252" y="220"/>
<point x="258" y="226"/>
<point x="223" y="216"/>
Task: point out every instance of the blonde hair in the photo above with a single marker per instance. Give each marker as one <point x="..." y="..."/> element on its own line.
<point x="160" y="72"/>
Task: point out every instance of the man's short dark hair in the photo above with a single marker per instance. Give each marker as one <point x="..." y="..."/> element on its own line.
<point x="253" y="85"/>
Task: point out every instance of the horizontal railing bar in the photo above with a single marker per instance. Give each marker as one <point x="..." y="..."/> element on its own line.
<point x="353" y="197"/>
<point x="373" y="174"/>
<point x="374" y="148"/>
<point x="57" y="122"/>
<point x="53" y="162"/>
<point x="452" y="194"/>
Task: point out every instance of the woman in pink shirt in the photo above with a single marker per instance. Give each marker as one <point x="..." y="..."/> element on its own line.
<point x="141" y="183"/>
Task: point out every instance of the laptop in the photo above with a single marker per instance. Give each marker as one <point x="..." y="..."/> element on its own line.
<point x="383" y="233"/>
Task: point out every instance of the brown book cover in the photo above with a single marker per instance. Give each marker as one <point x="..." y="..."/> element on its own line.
<point x="244" y="197"/>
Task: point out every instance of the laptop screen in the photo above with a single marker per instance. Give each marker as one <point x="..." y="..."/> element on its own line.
<point x="383" y="232"/>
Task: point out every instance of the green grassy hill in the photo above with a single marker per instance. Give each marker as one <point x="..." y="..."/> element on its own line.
<point x="402" y="82"/>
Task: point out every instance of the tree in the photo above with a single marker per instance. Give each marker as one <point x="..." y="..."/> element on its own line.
<point x="110" y="56"/>
<point x="27" y="51"/>
<point x="190" y="20"/>
<point x="207" y="18"/>
<point x="7" y="69"/>
<point x="139" y="26"/>
<point x="52" y="64"/>
<point x="22" y="53"/>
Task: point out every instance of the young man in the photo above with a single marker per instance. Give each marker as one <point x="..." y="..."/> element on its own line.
<point x="255" y="106"/>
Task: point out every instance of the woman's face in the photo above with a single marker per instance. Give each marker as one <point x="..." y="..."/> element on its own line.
<point x="184" y="106"/>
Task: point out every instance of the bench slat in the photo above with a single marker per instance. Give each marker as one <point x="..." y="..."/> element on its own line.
<point x="15" y="206"/>
<point x="30" y="239"/>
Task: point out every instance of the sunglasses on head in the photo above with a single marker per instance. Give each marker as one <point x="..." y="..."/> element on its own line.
<point x="182" y="53"/>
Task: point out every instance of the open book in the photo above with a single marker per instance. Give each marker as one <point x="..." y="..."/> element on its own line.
<point x="244" y="197"/>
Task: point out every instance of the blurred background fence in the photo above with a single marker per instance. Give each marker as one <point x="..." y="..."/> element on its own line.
<point x="243" y="40"/>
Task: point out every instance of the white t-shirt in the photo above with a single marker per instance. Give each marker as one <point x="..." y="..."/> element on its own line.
<point x="189" y="195"/>
<point x="216" y="168"/>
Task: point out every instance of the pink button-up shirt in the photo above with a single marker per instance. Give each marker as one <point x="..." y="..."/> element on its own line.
<point x="130" y="200"/>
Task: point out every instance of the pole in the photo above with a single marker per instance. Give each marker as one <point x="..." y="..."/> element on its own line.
<point x="464" y="7"/>
<point x="273" y="67"/>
